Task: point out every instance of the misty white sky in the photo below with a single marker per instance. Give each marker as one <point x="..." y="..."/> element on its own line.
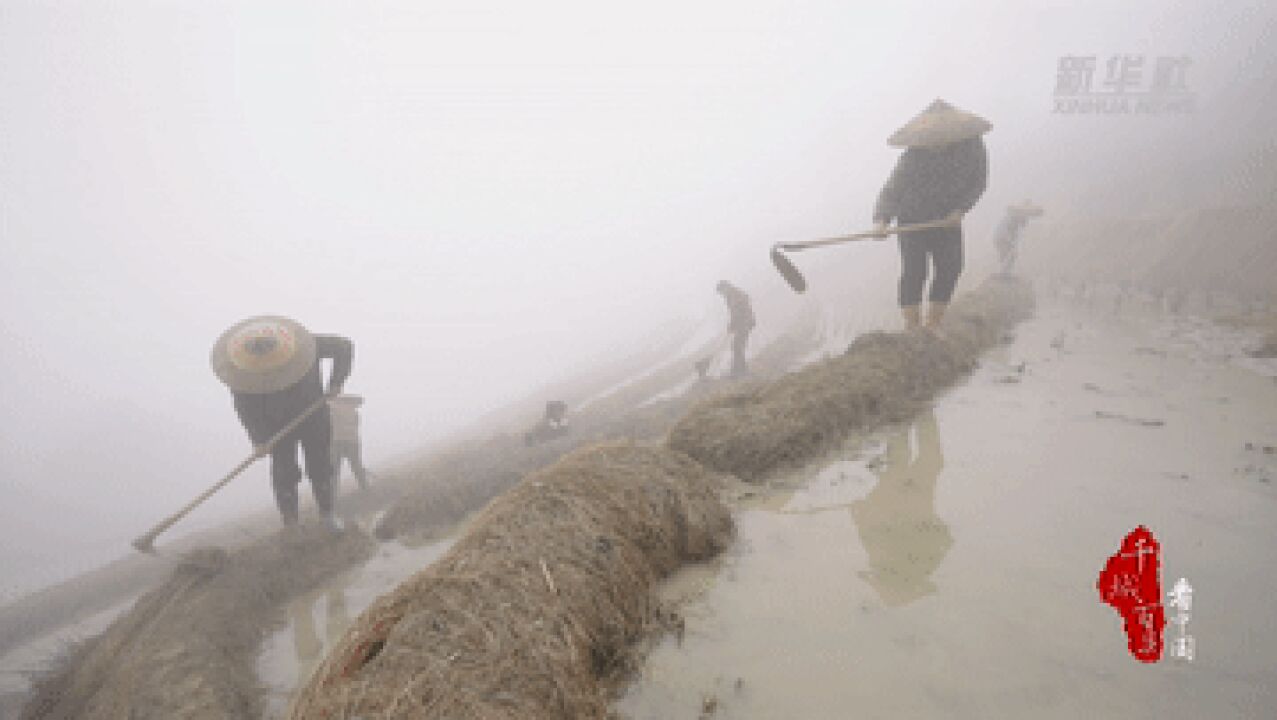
<point x="482" y="195"/>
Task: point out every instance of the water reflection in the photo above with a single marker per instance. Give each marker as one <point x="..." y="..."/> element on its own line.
<point x="308" y="645"/>
<point x="897" y="521"/>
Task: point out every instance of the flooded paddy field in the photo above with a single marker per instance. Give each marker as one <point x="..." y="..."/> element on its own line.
<point x="947" y="567"/>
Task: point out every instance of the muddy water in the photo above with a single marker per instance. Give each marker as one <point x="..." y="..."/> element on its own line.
<point x="317" y="620"/>
<point x="947" y="568"/>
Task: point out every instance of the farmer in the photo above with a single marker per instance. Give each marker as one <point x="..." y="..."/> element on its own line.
<point x="552" y="425"/>
<point x="940" y="176"/>
<point x="556" y="414"/>
<point x="271" y="365"/>
<point x="740" y="323"/>
<point x="1007" y="237"/>
<point x="347" y="446"/>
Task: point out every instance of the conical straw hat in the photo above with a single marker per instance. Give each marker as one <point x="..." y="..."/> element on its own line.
<point x="1027" y="208"/>
<point x="263" y="354"/>
<point x="940" y="124"/>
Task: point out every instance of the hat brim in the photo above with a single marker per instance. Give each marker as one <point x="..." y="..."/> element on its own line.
<point x="932" y="128"/>
<point x="268" y="381"/>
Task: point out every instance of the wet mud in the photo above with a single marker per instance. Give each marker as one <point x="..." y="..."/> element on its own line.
<point x="187" y="648"/>
<point x="946" y="567"/>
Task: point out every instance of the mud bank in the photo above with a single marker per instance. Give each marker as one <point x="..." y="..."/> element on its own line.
<point x="531" y="613"/>
<point x="535" y="629"/>
<point x="449" y="487"/>
<point x="440" y="492"/>
<point x="881" y="378"/>
<point x="537" y="610"/>
<point x="187" y="648"/>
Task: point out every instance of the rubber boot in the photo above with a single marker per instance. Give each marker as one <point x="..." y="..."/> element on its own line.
<point x="912" y="316"/>
<point x="935" y="313"/>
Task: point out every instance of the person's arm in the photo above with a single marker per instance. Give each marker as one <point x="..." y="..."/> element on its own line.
<point x="975" y="177"/>
<point x="254" y="422"/>
<point x="888" y="205"/>
<point x="342" y="352"/>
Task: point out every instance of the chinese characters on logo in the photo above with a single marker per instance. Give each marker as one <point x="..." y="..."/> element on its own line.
<point x="1125" y="85"/>
<point x="1131" y="583"/>
<point x="1181" y="596"/>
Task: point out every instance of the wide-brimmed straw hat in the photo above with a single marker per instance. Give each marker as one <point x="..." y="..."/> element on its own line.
<point x="263" y="354"/>
<point x="940" y="124"/>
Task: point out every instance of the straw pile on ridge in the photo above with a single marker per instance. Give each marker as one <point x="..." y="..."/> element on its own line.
<point x="881" y="378"/>
<point x="188" y="648"/>
<point x="532" y="613"/>
<point x="447" y="488"/>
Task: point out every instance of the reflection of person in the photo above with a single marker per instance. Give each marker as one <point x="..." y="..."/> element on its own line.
<point x="347" y="444"/>
<point x="307" y="644"/>
<point x="897" y="521"/>
<point x="740" y="323"/>
<point x="1007" y="237"/>
<point x="940" y="176"/>
<point x="271" y="365"/>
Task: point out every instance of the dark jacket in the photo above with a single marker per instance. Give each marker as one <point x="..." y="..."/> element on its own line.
<point x="738" y="305"/>
<point x="265" y="414"/>
<point x="930" y="183"/>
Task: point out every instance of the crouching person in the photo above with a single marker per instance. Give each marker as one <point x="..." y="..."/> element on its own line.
<point x="347" y="444"/>
<point x="552" y="425"/>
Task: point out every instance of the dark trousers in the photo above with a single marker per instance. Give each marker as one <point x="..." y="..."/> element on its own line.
<point x="939" y="246"/>
<point x="352" y="453"/>
<point x="314" y="437"/>
<point x="740" y="338"/>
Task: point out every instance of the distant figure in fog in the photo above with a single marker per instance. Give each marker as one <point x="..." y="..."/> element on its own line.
<point x="940" y="176"/>
<point x="271" y="365"/>
<point x="347" y="444"/>
<point x="739" y="324"/>
<point x="702" y="368"/>
<point x="1007" y="237"/>
<point x="553" y="424"/>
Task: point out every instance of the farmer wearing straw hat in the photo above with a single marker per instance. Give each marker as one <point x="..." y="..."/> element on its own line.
<point x="347" y="445"/>
<point x="940" y="176"/>
<point x="271" y="365"/>
<point x="740" y="323"/>
<point x="1007" y="237"/>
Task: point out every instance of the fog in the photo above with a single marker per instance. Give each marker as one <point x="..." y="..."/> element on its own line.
<point x="485" y="197"/>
